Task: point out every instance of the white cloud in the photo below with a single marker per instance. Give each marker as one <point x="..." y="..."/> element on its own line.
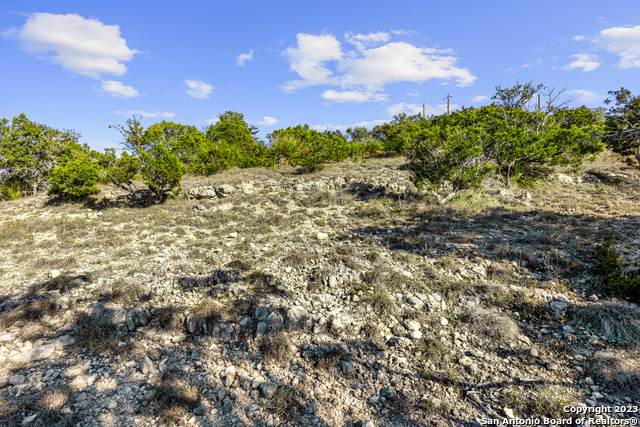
<point x="584" y="61"/>
<point x="343" y="128"/>
<point x="320" y="60"/>
<point x="362" y="41"/>
<point x="198" y="89"/>
<point x="412" y="92"/>
<point x="213" y="121"/>
<point x="309" y="58"/>
<point x="118" y="90"/>
<point x="586" y="97"/>
<point x="267" y="121"/>
<point x="145" y="114"/>
<point x="82" y="46"/>
<point x="353" y="96"/>
<point x="625" y="41"/>
<point x="478" y="99"/>
<point x="244" y="57"/>
<point x="579" y="38"/>
<point x="413" y="109"/>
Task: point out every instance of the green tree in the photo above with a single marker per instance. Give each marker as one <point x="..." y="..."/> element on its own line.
<point x="446" y="158"/>
<point x="75" y="178"/>
<point x="29" y="152"/>
<point x="161" y="168"/>
<point x="622" y="124"/>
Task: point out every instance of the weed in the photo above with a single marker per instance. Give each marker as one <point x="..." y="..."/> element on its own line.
<point x="617" y="321"/>
<point x="491" y="324"/>
<point x="287" y="403"/>
<point x="278" y="348"/>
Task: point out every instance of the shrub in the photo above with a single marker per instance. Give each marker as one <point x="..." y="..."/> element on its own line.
<point x="11" y="190"/>
<point x="76" y="178"/>
<point x="620" y="276"/>
<point x="162" y="171"/>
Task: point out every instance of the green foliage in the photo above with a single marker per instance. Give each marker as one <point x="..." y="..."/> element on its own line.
<point x="162" y="171"/>
<point x="621" y="277"/>
<point x="119" y="171"/>
<point x="184" y="141"/>
<point x="231" y="142"/>
<point x="11" y="190"/>
<point x="30" y="151"/>
<point x="312" y="149"/>
<point x="622" y="124"/>
<point x="160" y="167"/>
<point x="397" y="136"/>
<point x="75" y="178"/>
<point x="459" y="151"/>
<point x="286" y="149"/>
<point x="449" y="154"/>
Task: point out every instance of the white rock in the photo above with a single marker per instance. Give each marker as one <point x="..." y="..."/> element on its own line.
<point x="322" y="236"/>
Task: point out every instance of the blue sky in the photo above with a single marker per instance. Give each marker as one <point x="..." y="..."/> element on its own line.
<point x="85" y="65"/>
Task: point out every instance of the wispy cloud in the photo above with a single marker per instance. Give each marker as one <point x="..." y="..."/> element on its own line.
<point x="146" y="114"/>
<point x="117" y="89"/>
<point x="244" y="57"/>
<point x="583" y="61"/>
<point x="80" y="45"/>
<point x="198" y="89"/>
<point x="353" y="96"/>
<point x="586" y="97"/>
<point x="479" y="98"/>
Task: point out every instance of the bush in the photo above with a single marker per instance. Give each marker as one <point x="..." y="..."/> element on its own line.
<point x="621" y="277"/>
<point x="444" y="154"/>
<point x="76" y="178"/>
<point x="162" y="171"/>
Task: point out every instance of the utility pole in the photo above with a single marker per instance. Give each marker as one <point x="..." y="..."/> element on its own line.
<point x="448" y="96"/>
<point x="538" y="102"/>
<point x="424" y="110"/>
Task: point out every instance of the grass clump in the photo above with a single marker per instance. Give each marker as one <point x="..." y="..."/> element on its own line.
<point x="491" y="323"/>
<point x="616" y="321"/>
<point x="176" y="398"/>
<point x="620" y="374"/>
<point x="278" y="349"/>
<point x="287" y="403"/>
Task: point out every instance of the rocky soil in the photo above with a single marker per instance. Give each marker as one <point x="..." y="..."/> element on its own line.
<point x="339" y="298"/>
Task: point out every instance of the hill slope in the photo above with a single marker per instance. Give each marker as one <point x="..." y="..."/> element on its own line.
<point x="262" y="297"/>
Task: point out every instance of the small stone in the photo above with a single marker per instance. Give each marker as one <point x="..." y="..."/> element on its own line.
<point x="509" y="412"/>
<point x="146" y="366"/>
<point x="322" y="236"/>
<point x="465" y="361"/>
<point x="17" y="380"/>
<point x="444" y="321"/>
<point x="552" y="366"/>
<point x="233" y="235"/>
<point x="268" y="389"/>
<point x="29" y="419"/>
<point x="533" y="352"/>
<point x="593" y="298"/>
<point x="348" y="368"/>
<point x="54" y="273"/>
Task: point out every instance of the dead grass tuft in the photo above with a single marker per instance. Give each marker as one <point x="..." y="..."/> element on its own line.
<point x="176" y="398"/>
<point x="616" y="321"/>
<point x="278" y="348"/>
<point x="491" y="323"/>
<point x="620" y="373"/>
<point x="287" y="403"/>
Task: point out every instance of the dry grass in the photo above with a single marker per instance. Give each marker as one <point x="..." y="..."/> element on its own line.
<point x="620" y="372"/>
<point x="287" y="403"/>
<point x="616" y="321"/>
<point x="278" y="348"/>
<point x="176" y="398"/>
<point x="491" y="324"/>
<point x="48" y="407"/>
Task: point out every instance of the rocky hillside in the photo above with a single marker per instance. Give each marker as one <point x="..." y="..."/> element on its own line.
<point x="339" y="298"/>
